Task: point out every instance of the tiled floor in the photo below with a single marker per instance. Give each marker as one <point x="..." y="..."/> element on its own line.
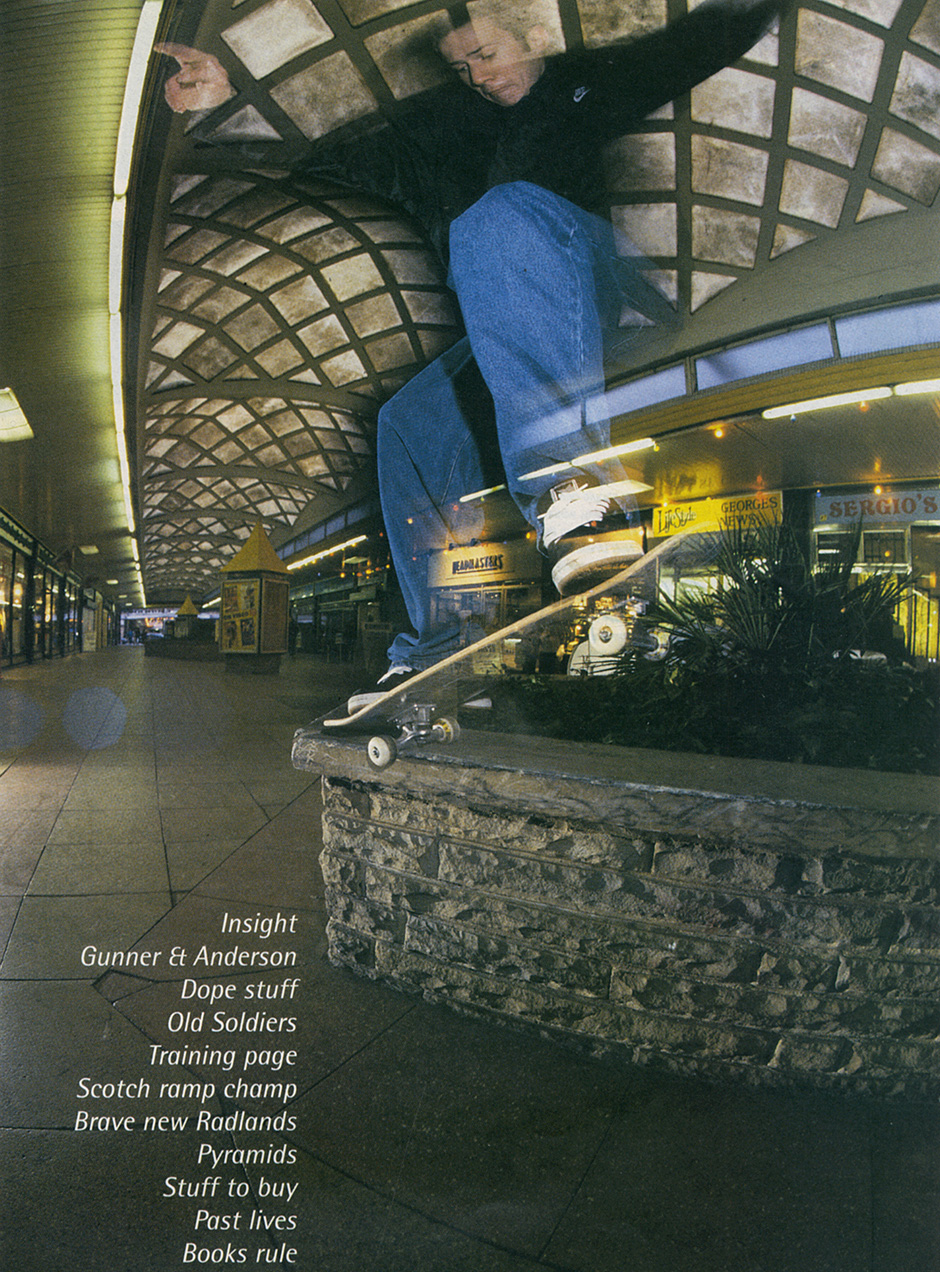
<point x="143" y="799"/>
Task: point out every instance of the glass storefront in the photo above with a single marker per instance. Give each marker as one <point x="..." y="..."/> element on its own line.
<point x="6" y="601"/>
<point x="18" y="607"/>
<point x="43" y="612"/>
<point x="900" y="532"/>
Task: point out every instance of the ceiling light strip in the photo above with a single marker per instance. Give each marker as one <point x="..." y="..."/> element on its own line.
<point x="481" y="494"/>
<point x="824" y="403"/>
<point x="318" y="556"/>
<point x="592" y="457"/>
<point x="876" y="394"/>
<point x="133" y="92"/>
<point x="917" y="386"/>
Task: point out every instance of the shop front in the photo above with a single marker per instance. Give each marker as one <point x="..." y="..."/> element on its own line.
<point x="900" y="531"/>
<point x="487" y="586"/>
<point x="40" y="599"/>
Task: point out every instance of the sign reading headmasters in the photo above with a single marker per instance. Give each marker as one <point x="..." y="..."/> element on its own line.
<point x="484" y="563"/>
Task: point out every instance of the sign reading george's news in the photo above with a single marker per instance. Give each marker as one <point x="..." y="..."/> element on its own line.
<point x="764" y="507"/>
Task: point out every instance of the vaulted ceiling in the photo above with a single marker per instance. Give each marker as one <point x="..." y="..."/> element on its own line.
<point x="266" y="319"/>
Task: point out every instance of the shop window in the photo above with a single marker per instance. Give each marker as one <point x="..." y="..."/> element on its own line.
<point x="916" y="324"/>
<point x="884" y="547"/>
<point x="6" y="595"/>
<point x="828" y="546"/>
<point x="758" y="357"/>
<point x="17" y="626"/>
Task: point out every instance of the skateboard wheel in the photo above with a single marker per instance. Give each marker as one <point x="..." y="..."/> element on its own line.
<point x="446" y="729"/>
<point x="381" y="751"/>
<point x="607" y="634"/>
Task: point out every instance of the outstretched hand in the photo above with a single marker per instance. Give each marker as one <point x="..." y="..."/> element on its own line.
<point x="201" y="82"/>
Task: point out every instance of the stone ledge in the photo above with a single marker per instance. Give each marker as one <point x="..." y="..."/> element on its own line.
<point x="806" y="806"/>
<point x="748" y="920"/>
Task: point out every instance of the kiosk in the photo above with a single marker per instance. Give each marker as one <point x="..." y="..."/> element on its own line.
<point x="254" y="614"/>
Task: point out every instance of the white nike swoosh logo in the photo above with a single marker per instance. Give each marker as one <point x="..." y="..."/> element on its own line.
<point x="580" y="93"/>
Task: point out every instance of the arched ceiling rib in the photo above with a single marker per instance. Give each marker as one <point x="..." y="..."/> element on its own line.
<point x="282" y="316"/>
<point x="280" y="321"/>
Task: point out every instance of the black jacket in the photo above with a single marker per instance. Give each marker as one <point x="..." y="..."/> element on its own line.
<point x="447" y="147"/>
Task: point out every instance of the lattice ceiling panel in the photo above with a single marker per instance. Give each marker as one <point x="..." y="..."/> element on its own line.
<point x="283" y="316"/>
<point x="281" y="321"/>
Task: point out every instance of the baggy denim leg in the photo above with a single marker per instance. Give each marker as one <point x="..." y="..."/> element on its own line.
<point x="430" y="452"/>
<point x="538" y="280"/>
<point x="538" y="283"/>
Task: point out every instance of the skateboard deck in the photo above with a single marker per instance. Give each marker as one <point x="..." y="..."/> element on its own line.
<point x="423" y="709"/>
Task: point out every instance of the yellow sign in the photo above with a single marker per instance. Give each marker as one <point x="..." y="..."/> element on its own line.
<point x="239" y="614"/>
<point x="730" y="512"/>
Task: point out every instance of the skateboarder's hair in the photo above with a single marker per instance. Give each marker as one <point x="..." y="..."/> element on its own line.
<point x="516" y="20"/>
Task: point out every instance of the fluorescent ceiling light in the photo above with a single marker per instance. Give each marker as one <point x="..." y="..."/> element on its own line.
<point x="628" y="448"/>
<point x="133" y="90"/>
<point x="917" y="386"/>
<point x="14" y="426"/>
<point x="318" y="556"/>
<point x="116" y="254"/>
<point x="146" y="32"/>
<point x="823" y="403"/>
<point x="480" y="494"/>
<point x="592" y="457"/>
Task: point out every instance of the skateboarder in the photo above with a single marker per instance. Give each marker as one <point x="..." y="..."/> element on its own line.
<point x="506" y="178"/>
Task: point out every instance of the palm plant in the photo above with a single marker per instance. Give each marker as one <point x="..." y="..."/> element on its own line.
<point x="767" y="662"/>
<point x="764" y="666"/>
<point x="773" y="613"/>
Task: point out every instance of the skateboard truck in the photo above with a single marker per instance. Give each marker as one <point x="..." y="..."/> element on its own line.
<point x="417" y="726"/>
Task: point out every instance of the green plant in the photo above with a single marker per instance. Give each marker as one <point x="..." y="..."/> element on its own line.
<point x="769" y="662"/>
<point x="765" y="665"/>
<point x="772" y="613"/>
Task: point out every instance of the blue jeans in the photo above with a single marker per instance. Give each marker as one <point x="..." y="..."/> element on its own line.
<point x="538" y="281"/>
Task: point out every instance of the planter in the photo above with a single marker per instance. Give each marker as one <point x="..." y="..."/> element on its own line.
<point x="767" y="922"/>
<point x="189" y="650"/>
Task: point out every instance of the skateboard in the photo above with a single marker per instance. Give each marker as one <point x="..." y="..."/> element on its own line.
<point x="423" y="709"/>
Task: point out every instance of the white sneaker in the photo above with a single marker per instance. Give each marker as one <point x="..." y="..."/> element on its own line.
<point x="574" y="506"/>
<point x="586" y="564"/>
<point x="587" y="537"/>
<point x="396" y="675"/>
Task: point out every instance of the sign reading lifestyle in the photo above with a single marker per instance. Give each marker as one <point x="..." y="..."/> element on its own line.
<point x="729" y="512"/>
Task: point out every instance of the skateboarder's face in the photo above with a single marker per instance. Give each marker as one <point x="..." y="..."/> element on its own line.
<point x="493" y="62"/>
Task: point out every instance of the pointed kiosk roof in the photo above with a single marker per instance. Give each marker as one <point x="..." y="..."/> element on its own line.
<point x="256" y="554"/>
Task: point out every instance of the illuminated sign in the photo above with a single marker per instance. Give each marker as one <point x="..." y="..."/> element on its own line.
<point x="882" y="508"/>
<point x="738" y="512"/>
<point x="484" y="563"/>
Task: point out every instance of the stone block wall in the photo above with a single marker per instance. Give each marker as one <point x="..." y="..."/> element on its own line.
<point x="756" y="922"/>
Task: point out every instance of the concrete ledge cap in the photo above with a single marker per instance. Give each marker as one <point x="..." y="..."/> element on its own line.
<point x="879" y="813"/>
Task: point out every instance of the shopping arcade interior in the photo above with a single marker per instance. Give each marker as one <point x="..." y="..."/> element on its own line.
<point x="808" y="197"/>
